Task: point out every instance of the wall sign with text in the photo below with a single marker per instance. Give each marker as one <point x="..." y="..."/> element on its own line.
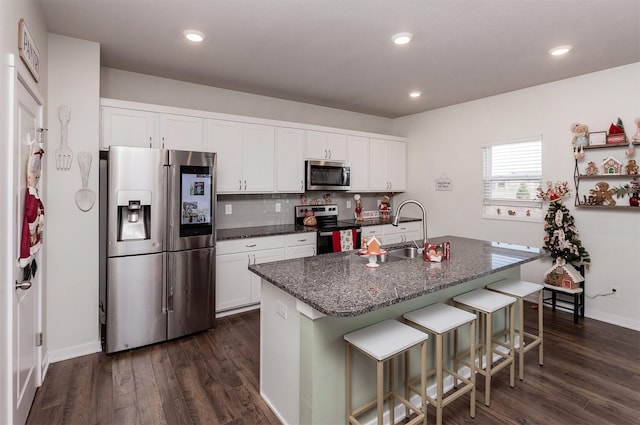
<point x="29" y="52"/>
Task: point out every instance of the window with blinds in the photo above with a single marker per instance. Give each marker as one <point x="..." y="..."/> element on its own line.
<point x="512" y="173"/>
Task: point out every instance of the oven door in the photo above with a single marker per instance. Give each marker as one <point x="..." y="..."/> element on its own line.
<point x="325" y="240"/>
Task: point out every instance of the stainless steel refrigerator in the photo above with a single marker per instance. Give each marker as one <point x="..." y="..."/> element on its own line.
<point x="159" y="267"/>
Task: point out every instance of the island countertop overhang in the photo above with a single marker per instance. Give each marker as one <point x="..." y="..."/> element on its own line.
<point x="339" y="284"/>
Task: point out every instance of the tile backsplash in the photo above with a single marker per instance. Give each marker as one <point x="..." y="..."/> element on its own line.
<point x="260" y="210"/>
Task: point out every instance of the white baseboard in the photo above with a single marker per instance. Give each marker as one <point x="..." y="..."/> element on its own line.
<point x="75" y="351"/>
<point x="624" y="322"/>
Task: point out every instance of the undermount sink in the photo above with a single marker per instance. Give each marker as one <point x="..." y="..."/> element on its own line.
<point x="406" y="252"/>
<point x="396" y="254"/>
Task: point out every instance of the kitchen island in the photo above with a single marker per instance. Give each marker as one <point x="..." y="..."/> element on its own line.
<point x="308" y="304"/>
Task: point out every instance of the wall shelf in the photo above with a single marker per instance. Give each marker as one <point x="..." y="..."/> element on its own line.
<point x="577" y="177"/>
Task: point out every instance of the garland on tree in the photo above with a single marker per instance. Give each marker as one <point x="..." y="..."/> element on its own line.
<point x="561" y="241"/>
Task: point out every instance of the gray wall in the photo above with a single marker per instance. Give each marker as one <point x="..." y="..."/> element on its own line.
<point x="124" y="85"/>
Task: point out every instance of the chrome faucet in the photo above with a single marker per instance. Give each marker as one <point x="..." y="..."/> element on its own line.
<point x="396" y="218"/>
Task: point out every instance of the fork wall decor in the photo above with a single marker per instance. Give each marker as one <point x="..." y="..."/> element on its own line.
<point x="64" y="155"/>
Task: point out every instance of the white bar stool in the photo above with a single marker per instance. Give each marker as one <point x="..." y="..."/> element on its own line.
<point x="382" y="342"/>
<point x="440" y="319"/>
<point x="485" y="303"/>
<point x="521" y="289"/>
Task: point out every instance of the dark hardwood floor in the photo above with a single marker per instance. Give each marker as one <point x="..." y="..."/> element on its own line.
<point x="591" y="375"/>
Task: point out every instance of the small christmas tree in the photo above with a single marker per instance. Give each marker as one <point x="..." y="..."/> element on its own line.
<point x="561" y="239"/>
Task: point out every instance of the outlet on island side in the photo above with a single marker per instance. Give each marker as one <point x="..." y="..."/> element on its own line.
<point x="281" y="309"/>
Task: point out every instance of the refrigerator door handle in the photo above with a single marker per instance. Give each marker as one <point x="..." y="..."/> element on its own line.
<point x="169" y="284"/>
<point x="164" y="286"/>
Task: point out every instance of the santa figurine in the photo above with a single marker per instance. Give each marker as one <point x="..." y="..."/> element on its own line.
<point x="33" y="220"/>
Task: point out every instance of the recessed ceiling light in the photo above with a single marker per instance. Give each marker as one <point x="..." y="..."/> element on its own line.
<point x="560" y="50"/>
<point x="193" y="35"/>
<point x="402" y="38"/>
<point x="415" y="93"/>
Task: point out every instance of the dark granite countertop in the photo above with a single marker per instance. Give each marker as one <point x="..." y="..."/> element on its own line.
<point x="285" y="229"/>
<point x="260" y="231"/>
<point x="340" y="285"/>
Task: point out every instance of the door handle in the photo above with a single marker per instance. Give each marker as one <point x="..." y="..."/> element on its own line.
<point x="23" y="285"/>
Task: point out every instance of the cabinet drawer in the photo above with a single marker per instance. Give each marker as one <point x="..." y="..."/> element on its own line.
<point x="371" y="231"/>
<point x="410" y="226"/>
<point x="297" y="239"/>
<point x="248" y="245"/>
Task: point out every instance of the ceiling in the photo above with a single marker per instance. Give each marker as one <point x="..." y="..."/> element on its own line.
<point x="339" y="54"/>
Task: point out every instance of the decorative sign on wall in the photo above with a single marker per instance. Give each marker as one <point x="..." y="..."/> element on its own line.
<point x="444" y="183"/>
<point x="29" y="52"/>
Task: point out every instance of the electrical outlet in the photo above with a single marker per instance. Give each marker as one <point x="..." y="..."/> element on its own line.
<point x="348" y="205"/>
<point x="278" y="207"/>
<point x="281" y="309"/>
<point x="228" y="209"/>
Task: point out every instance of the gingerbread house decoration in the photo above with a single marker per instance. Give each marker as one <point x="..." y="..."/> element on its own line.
<point x="610" y="165"/>
<point x="373" y="245"/>
<point x="564" y="276"/>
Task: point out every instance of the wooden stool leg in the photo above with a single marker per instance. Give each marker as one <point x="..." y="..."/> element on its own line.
<point x="540" y="329"/>
<point x="348" y="382"/>
<point x="392" y="391"/>
<point x="439" y="379"/>
<point x="512" y="368"/>
<point x="380" y="390"/>
<point x="521" y="336"/>
<point x="423" y="377"/>
<point x="488" y="359"/>
<point x="472" y="366"/>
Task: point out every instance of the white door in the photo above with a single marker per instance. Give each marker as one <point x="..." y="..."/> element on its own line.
<point x="127" y="127"/>
<point x="27" y="301"/>
<point x="259" y="158"/>
<point x="225" y="139"/>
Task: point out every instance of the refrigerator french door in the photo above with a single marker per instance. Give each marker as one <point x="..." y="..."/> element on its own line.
<point x="160" y="265"/>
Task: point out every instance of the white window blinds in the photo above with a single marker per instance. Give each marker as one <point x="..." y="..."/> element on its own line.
<point x="512" y="173"/>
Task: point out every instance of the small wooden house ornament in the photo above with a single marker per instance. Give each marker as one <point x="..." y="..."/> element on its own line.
<point x="373" y="245"/>
<point x="610" y="165"/>
<point x="564" y="276"/>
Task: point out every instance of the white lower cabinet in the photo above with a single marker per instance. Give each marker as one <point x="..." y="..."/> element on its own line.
<point x="391" y="235"/>
<point x="236" y="286"/>
<point x="239" y="289"/>
<point x="404" y="232"/>
<point x="300" y="245"/>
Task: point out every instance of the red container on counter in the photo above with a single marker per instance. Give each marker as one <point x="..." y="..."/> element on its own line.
<point x="436" y="253"/>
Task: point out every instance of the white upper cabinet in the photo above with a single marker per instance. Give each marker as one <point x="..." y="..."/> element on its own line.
<point x="181" y="132"/>
<point x="326" y="146"/>
<point x="225" y="139"/>
<point x="136" y="128"/>
<point x="289" y="160"/>
<point x="259" y="158"/>
<point x="387" y="165"/>
<point x="358" y="158"/>
<point x="127" y="127"/>
<point x="245" y="156"/>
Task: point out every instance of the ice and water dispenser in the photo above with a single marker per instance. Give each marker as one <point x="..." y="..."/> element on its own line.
<point x="134" y="215"/>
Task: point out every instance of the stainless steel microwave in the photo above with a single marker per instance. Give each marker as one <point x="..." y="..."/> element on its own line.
<point x="328" y="175"/>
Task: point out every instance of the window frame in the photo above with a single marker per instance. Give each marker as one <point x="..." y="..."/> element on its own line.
<point x="520" y="208"/>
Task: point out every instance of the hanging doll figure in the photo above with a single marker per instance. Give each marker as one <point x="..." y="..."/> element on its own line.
<point x="33" y="220"/>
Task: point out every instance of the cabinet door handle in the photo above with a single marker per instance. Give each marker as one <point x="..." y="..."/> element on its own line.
<point x="239" y="184"/>
<point x="329" y="153"/>
<point x="301" y="184"/>
<point x="150" y="142"/>
<point x="251" y="246"/>
<point x="162" y="142"/>
<point x="248" y="259"/>
<point x="254" y="259"/>
<point x="325" y="154"/>
<point x="245" y="185"/>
